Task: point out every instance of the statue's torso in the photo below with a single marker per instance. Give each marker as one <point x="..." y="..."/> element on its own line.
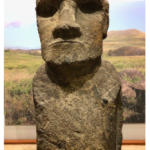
<point x="81" y="119"/>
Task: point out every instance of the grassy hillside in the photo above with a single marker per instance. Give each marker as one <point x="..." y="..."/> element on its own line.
<point x="131" y="38"/>
<point x="18" y="74"/>
<point x="126" y="62"/>
<point x="127" y="51"/>
<point x="125" y="35"/>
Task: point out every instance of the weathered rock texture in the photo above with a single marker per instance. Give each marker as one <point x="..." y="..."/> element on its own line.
<point x="87" y="117"/>
<point x="77" y="96"/>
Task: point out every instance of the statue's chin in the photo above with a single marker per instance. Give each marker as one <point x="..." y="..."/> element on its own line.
<point x="71" y="59"/>
<point x="68" y="53"/>
<point x="72" y="62"/>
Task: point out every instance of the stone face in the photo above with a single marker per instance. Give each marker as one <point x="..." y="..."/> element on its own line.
<point x="74" y="31"/>
<point x="85" y="118"/>
<point x="77" y="96"/>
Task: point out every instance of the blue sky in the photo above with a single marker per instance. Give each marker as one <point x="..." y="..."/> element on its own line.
<point x="20" y="30"/>
<point x="127" y="15"/>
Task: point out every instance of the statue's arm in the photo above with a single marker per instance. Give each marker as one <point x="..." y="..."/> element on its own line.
<point x="119" y="121"/>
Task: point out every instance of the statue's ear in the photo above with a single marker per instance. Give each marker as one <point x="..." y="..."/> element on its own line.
<point x="106" y="19"/>
<point x="106" y="25"/>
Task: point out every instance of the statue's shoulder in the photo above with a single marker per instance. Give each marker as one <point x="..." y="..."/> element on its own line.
<point x="107" y="67"/>
<point x="40" y="73"/>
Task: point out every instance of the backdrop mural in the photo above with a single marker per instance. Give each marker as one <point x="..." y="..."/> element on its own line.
<point x="124" y="48"/>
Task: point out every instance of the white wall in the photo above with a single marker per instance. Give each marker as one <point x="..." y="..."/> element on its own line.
<point x="130" y="132"/>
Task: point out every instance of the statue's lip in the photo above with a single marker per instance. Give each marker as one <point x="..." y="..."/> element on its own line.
<point x="64" y="41"/>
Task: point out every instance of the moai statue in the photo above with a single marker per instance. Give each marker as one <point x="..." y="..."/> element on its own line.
<point x="77" y="95"/>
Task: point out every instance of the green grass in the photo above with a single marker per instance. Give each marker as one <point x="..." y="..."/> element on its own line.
<point x="136" y="79"/>
<point x="19" y="108"/>
<point x="19" y="88"/>
<point x="20" y="61"/>
<point x="111" y="44"/>
<point x="19" y="71"/>
<point x="126" y="62"/>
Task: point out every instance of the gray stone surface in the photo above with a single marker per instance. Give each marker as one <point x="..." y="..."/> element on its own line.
<point x="77" y="96"/>
<point x="88" y="116"/>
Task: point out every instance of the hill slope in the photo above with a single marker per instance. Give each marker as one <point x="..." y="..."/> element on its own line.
<point x="129" y="38"/>
<point x="125" y="34"/>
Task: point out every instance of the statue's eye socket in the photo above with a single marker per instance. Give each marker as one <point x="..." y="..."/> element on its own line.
<point x="91" y="7"/>
<point x="44" y="10"/>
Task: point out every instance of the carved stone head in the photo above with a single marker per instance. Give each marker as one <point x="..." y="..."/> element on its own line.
<point x="72" y="30"/>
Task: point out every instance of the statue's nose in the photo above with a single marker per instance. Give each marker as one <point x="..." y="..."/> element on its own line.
<point x="67" y="26"/>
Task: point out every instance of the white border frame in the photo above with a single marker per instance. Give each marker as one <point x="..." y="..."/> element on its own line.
<point x="130" y="132"/>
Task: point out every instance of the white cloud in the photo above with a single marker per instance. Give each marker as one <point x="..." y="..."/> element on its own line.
<point x="14" y="24"/>
<point x="21" y="10"/>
